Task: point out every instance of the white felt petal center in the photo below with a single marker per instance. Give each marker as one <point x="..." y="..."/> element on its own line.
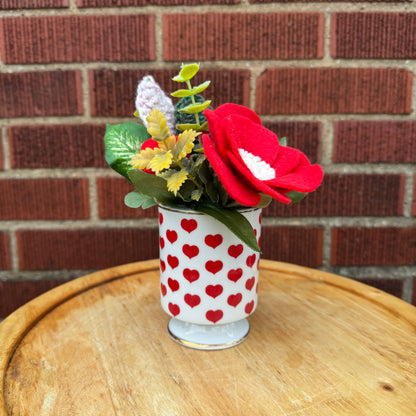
<point x="259" y="168"/>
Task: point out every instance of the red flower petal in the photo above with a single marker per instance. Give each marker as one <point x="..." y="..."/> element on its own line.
<point x="257" y="184"/>
<point x="216" y="120"/>
<point x="215" y="127"/>
<point x="287" y="160"/>
<point x="228" y="109"/>
<point x="242" y="133"/>
<point x="301" y="179"/>
<point x="233" y="186"/>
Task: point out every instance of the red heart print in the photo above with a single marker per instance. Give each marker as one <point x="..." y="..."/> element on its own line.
<point x="163" y="289"/>
<point x="214" y="316"/>
<point x="162" y="265"/>
<point x="190" y="251"/>
<point x="213" y="240"/>
<point x="251" y="260"/>
<point x="213" y="290"/>
<point x="173" y="261"/>
<point x="162" y="242"/>
<point x="160" y="218"/>
<point x="174" y="309"/>
<point x="235" y="274"/>
<point x="235" y="251"/>
<point x="260" y="218"/>
<point x="171" y="235"/>
<point x="234" y="300"/>
<point x="192" y="300"/>
<point x="191" y="275"/>
<point x="173" y="284"/>
<point x="250" y="283"/>
<point x="249" y="307"/>
<point x="213" y="266"/>
<point x="189" y="225"/>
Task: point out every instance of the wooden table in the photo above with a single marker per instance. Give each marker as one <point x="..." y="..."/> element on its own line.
<point x="319" y="345"/>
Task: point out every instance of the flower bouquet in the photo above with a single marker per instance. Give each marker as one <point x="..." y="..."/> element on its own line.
<point x="210" y="172"/>
<point x="212" y="161"/>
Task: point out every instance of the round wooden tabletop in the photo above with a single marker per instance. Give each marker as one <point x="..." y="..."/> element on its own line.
<point x="319" y="344"/>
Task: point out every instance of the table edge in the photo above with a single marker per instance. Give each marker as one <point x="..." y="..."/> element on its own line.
<point x="20" y="322"/>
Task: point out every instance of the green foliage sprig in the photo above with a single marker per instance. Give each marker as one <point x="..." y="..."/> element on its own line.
<point x="196" y="107"/>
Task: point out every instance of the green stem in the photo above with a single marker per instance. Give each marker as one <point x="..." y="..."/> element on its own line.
<point x="188" y="83"/>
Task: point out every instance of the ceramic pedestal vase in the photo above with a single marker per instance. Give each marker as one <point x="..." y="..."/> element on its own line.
<point x="208" y="278"/>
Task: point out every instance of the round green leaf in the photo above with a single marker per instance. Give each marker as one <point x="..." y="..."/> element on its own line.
<point x="195" y="108"/>
<point x="188" y="71"/>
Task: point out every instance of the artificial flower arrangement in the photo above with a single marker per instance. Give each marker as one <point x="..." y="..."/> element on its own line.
<point x="212" y="161"/>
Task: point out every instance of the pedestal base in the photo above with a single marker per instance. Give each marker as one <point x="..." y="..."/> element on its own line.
<point x="208" y="337"/>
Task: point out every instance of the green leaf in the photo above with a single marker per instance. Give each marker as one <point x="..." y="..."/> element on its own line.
<point x="187" y="72"/>
<point x="283" y="141"/>
<point x="195" y="108"/>
<point x="234" y="221"/>
<point x="201" y="87"/>
<point x="181" y="93"/>
<point x="183" y="127"/>
<point x="135" y="199"/>
<point x="296" y="196"/>
<point x="193" y="91"/>
<point x="122" y="142"/>
<point x="264" y="201"/>
<point x="151" y="186"/>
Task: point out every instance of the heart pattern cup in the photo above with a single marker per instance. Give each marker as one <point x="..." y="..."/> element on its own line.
<point x="207" y="275"/>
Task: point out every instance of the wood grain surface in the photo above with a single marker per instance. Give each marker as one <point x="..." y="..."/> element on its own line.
<point x="319" y="345"/>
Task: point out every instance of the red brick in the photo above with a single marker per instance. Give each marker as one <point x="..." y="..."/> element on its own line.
<point x="32" y="4"/>
<point x="1" y="152"/>
<point x="414" y="291"/>
<point x="378" y="246"/>
<point x="414" y="294"/>
<point x="334" y="90"/>
<point x="392" y="286"/>
<point x="414" y="197"/>
<point x="77" y="39"/>
<point x="111" y="193"/>
<point x="298" y="245"/>
<point x="243" y="36"/>
<point x="373" y="35"/>
<point x="113" y="92"/>
<point x="49" y="199"/>
<point x="305" y="136"/>
<point x="15" y="294"/>
<point x="85" y="249"/>
<point x="57" y="146"/>
<point x="52" y="93"/>
<point x="5" y="260"/>
<point x="375" y="141"/>
<point x="348" y="195"/>
<point x="118" y="3"/>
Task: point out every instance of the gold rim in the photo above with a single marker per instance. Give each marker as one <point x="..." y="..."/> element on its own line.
<point x="199" y="346"/>
<point x="191" y="211"/>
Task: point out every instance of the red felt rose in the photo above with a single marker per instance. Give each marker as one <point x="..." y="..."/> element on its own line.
<point x="248" y="159"/>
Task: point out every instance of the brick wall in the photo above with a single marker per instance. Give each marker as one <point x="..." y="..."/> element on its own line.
<point x="335" y="78"/>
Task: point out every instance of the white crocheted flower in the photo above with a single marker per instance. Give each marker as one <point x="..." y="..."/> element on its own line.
<point x="149" y="96"/>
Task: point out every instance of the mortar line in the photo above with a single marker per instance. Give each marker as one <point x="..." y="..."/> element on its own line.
<point x="93" y="199"/>
<point x="242" y="7"/>
<point x="6" y="149"/>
